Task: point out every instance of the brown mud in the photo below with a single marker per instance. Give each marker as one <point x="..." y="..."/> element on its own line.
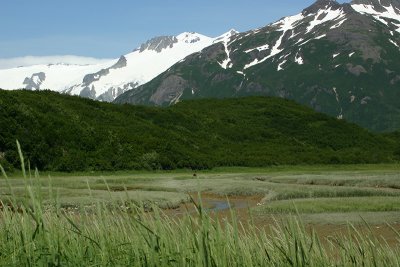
<point x="221" y="208"/>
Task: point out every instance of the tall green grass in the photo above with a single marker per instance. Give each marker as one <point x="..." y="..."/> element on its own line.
<point x="34" y="233"/>
<point x="105" y="237"/>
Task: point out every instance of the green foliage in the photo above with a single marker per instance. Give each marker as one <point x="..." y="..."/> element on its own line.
<point x="65" y="133"/>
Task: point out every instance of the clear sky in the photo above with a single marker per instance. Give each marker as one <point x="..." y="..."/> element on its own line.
<point x="109" y="28"/>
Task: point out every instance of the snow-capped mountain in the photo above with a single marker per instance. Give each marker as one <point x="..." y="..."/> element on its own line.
<point x="340" y="59"/>
<point x="108" y="80"/>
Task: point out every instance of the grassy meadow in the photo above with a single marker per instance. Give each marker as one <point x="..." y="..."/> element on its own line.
<point x="278" y="190"/>
<point x="169" y="218"/>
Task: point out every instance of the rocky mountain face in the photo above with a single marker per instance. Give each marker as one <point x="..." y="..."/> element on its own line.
<point x="106" y="81"/>
<point x="34" y="82"/>
<point x="340" y="59"/>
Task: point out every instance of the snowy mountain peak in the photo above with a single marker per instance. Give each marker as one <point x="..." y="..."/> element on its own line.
<point x="121" y="63"/>
<point x="232" y="32"/>
<point x="191" y="37"/>
<point x="107" y="80"/>
<point x="159" y="43"/>
<point x="320" y="13"/>
<point x="321" y="5"/>
<point x="226" y="36"/>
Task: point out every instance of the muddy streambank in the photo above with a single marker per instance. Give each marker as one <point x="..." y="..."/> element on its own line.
<point x="220" y="207"/>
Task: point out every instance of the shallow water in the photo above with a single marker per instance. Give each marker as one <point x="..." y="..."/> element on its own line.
<point x="218" y="204"/>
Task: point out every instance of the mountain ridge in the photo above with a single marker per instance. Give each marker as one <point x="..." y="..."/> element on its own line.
<point x="340" y="59"/>
<point x="107" y="80"/>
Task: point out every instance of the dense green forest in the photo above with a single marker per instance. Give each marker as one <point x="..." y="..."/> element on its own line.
<point x="66" y="133"/>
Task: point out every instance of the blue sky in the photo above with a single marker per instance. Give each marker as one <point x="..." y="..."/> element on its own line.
<point x="107" y="29"/>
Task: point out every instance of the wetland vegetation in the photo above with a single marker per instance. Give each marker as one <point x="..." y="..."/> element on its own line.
<point x="114" y="219"/>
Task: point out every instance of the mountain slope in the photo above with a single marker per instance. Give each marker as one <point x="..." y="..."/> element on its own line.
<point x="108" y="80"/>
<point x="65" y="133"/>
<point x="340" y="59"/>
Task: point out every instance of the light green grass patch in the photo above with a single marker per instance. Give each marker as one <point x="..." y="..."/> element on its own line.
<point x="325" y="205"/>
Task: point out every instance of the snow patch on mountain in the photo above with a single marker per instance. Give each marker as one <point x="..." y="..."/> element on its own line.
<point x="289" y="23"/>
<point x="389" y="12"/>
<point x="280" y="65"/>
<point x="340" y="116"/>
<point x="320" y="36"/>
<point x="326" y="15"/>
<point x="260" y="48"/>
<point x="227" y="63"/>
<point x="298" y="59"/>
<point x="394" y="43"/>
<point x="301" y="42"/>
<point x="288" y="26"/>
<point x="274" y="51"/>
<point x="339" y="23"/>
<point x="276" y="48"/>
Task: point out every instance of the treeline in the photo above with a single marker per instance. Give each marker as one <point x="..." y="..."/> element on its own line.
<point x="65" y="133"/>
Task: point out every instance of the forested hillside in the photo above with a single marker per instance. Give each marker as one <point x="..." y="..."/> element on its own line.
<point x="65" y="133"/>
